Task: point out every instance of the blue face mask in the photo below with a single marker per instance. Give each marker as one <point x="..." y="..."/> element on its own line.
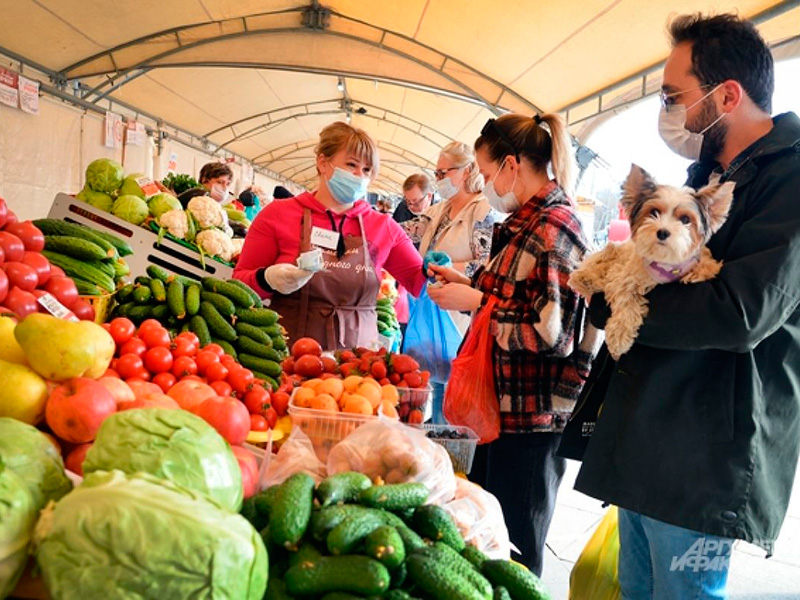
<point x="345" y="187"/>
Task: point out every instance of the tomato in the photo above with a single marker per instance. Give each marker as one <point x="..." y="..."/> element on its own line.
<point x="229" y="361"/>
<point x="258" y="423"/>
<point x="63" y="288"/>
<point x="204" y="360"/>
<point x="183" y="366"/>
<point x="287" y="366"/>
<point x="3" y="213"/>
<point x="83" y="310"/>
<point x="3" y="285"/>
<point x="158" y="359"/>
<point x="57" y="271"/>
<point x="228" y="416"/>
<point x="306" y="345"/>
<point x="111" y="373"/>
<point x="122" y="329"/>
<point x="188" y="335"/>
<point x="280" y="402"/>
<point x="129" y="366"/>
<point x="216" y="372"/>
<point x="257" y="400"/>
<point x="154" y="338"/>
<point x="215" y="348"/>
<point x="12" y="246"/>
<point x="308" y="365"/>
<point x="164" y="380"/>
<point x="39" y="264"/>
<point x="31" y="236"/>
<point x="240" y="379"/>
<point x="149" y="324"/>
<point x="22" y="303"/>
<point x="272" y="417"/>
<point x="222" y="388"/>
<point x="329" y="365"/>
<point x="135" y="346"/>
<point x="182" y="347"/>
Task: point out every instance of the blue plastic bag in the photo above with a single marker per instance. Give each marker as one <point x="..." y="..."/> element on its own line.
<point x="432" y="337"/>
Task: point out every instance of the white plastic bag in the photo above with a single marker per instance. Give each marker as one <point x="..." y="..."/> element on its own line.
<point x="296" y="455"/>
<point x="396" y="453"/>
<point x="479" y="517"/>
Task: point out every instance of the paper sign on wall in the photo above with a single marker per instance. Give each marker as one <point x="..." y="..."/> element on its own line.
<point x="135" y="134"/>
<point x="172" y="165"/>
<point x="247" y="173"/>
<point x="29" y="95"/>
<point x="9" y="95"/>
<point x="114" y="128"/>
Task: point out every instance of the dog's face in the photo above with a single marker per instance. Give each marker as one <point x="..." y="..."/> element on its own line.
<point x="670" y="224"/>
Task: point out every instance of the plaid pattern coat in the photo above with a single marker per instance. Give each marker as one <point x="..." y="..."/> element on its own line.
<point x="537" y="378"/>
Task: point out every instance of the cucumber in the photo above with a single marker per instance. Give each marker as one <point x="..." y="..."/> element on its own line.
<point x="460" y="565"/>
<point x="88" y="271"/>
<point x="122" y="247"/>
<point x="158" y="289"/>
<point x="217" y="324"/>
<point x="262" y="365"/>
<point x="437" y="581"/>
<point x="87" y="288"/>
<point x="278" y="342"/>
<point x="501" y="593"/>
<point x="222" y="303"/>
<point x="398" y="579"/>
<point x="519" y="581"/>
<point x="306" y="553"/>
<point x="175" y="299"/>
<point x="395" y="594"/>
<point x="142" y="295"/>
<point x="342" y="487"/>
<point x="386" y="545"/>
<point x="230" y="350"/>
<point x="249" y="511"/>
<point x="323" y="521"/>
<point x="192" y="299"/>
<point x="123" y="310"/>
<point x="474" y="556"/>
<point x="262" y="317"/>
<point x="276" y="589"/>
<point x="75" y="247"/>
<point x="121" y="269"/>
<point x="436" y="524"/>
<point x="240" y="297"/>
<point x="250" y="346"/>
<point x="395" y="496"/>
<point x="356" y="574"/>
<point x="198" y="326"/>
<point x="142" y="280"/>
<point x="350" y="533"/>
<point x="342" y="596"/>
<point x="265" y="499"/>
<point x="254" y="333"/>
<point x="140" y="312"/>
<point x="186" y="327"/>
<point x="186" y="281"/>
<point x="59" y="227"/>
<point x="273" y="355"/>
<point x="160" y="313"/>
<point x="411" y="540"/>
<point x="124" y="293"/>
<point x="246" y="288"/>
<point x="291" y="510"/>
<point x="157" y="272"/>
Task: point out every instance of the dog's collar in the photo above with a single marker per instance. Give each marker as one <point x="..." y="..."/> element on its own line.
<point x="663" y="272"/>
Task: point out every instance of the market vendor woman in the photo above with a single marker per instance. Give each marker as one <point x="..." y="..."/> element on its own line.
<point x="335" y="306"/>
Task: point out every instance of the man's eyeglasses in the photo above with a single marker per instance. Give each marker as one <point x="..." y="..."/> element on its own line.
<point x="670" y="98"/>
<point x="491" y="126"/>
<point x="440" y="173"/>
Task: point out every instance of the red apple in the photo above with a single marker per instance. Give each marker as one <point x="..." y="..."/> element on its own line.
<point x="76" y="409"/>
<point x="74" y="460"/>
<point x="119" y="390"/>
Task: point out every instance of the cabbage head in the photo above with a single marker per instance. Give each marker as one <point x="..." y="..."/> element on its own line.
<point x="17" y="518"/>
<point x="130" y="208"/>
<point x="172" y="444"/>
<point x="129" y="186"/>
<point x="104" y="175"/>
<point x="97" y="199"/>
<point x="137" y="536"/>
<point x="27" y="451"/>
<point x="163" y="202"/>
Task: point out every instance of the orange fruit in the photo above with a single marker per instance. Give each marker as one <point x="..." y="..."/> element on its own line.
<point x="324" y="402"/>
<point x="313" y="384"/>
<point x="303" y="397"/>
<point x="389" y="392"/>
<point x="389" y="410"/>
<point x="358" y="405"/>
<point x="371" y="381"/>
<point x="333" y="387"/>
<point x="371" y="393"/>
<point x="351" y="383"/>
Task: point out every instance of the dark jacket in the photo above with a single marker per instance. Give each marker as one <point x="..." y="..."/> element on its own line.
<point x="402" y="213"/>
<point x="701" y="423"/>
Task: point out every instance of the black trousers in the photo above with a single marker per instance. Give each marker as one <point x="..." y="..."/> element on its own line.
<point x="523" y="471"/>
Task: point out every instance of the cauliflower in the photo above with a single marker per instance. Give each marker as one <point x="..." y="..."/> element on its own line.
<point x="175" y="222"/>
<point x="215" y="243"/>
<point x="207" y="212"/>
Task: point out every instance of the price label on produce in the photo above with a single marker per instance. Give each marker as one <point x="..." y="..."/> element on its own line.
<point x="148" y="186"/>
<point x="55" y="308"/>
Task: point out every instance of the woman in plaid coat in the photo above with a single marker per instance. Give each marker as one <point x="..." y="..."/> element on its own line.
<point x="537" y="375"/>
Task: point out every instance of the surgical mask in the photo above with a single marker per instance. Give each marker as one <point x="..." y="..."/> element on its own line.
<point x="672" y="129"/>
<point x="219" y="193"/>
<point x="446" y="188"/>
<point x="507" y="203"/>
<point x="345" y="187"/>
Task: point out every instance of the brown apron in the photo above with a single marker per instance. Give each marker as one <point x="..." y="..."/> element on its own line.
<point x="337" y="307"/>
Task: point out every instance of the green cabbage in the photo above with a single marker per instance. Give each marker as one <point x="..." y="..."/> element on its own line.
<point x="163" y="202"/>
<point x="171" y="444"/>
<point x="129" y="186"/>
<point x="137" y="536"/>
<point x="98" y="199"/>
<point x="104" y="175"/>
<point x="130" y="208"/>
<point x="33" y="457"/>
<point x="17" y="517"/>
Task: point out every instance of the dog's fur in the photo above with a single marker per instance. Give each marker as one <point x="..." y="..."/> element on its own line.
<point x="669" y="226"/>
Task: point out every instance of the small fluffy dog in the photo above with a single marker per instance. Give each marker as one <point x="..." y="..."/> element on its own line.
<point x="669" y="229"/>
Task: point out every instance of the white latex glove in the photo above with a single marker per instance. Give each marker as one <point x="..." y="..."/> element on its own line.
<point x="286" y="278"/>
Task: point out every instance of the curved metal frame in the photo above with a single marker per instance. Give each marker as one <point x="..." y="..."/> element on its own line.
<point x="438" y="69"/>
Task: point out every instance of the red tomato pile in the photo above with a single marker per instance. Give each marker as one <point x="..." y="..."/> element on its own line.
<point x="25" y="274"/>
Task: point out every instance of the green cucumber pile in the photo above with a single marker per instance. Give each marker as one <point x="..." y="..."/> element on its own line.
<point x="350" y="539"/>
<point x="228" y="313"/>
<point x="388" y="324"/>
<point x="92" y="259"/>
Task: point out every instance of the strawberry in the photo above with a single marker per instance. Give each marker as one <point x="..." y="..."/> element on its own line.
<point x="378" y="369"/>
<point x="402" y="364"/>
<point x="394" y="378"/>
<point x="426" y="377"/>
<point x="414" y="380"/>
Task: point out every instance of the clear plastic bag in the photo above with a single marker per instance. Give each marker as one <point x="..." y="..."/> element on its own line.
<point x="296" y="455"/>
<point x="479" y="517"/>
<point x="396" y="453"/>
<point x="432" y="337"/>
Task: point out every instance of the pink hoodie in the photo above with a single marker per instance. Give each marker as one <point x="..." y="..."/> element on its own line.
<point x="274" y="237"/>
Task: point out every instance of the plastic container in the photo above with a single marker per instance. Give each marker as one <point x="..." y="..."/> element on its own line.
<point x="461" y="451"/>
<point x="411" y="398"/>
<point x="102" y="305"/>
<point x="325" y="428"/>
